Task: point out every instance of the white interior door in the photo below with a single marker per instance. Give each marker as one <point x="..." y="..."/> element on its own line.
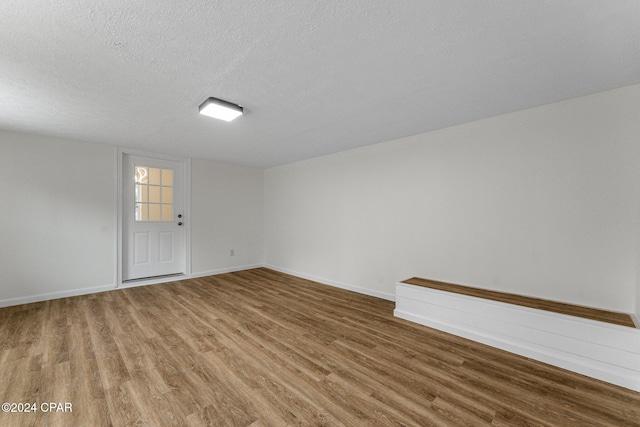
<point x="153" y="241"/>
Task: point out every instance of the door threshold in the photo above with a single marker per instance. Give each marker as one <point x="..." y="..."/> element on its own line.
<point x="154" y="278"/>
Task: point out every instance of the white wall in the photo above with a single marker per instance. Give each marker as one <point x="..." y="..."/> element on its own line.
<point x="58" y="217"/>
<point x="57" y="223"/>
<point x="540" y="202"/>
<point x="226" y="214"/>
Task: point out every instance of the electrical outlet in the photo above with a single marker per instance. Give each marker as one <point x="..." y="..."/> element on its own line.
<point x="233" y="252"/>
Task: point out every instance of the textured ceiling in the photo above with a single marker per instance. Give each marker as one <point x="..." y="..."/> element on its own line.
<point x="314" y="76"/>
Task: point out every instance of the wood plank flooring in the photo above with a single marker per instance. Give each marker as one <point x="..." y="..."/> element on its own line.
<point x="260" y="348"/>
<point x="616" y="318"/>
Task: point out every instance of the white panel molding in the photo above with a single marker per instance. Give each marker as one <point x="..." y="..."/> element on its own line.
<point x="55" y="295"/>
<point x="334" y="283"/>
<point x="636" y="320"/>
<point x="599" y="350"/>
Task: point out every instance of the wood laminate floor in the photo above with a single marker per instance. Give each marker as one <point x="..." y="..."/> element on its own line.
<point x="260" y="348"/>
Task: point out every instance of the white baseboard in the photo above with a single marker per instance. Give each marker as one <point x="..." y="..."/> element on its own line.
<point x="97" y="289"/>
<point x="599" y="350"/>
<point x="167" y="279"/>
<point x="636" y="320"/>
<point x="55" y="295"/>
<point x="334" y="283"/>
<point x="225" y="270"/>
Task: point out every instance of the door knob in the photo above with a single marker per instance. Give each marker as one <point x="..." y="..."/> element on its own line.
<point x="180" y="223"/>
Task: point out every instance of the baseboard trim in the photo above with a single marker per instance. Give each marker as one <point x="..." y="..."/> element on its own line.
<point x="97" y="289"/>
<point x="225" y="270"/>
<point x="359" y="289"/>
<point x="599" y="350"/>
<point x="55" y="295"/>
<point x="176" y="278"/>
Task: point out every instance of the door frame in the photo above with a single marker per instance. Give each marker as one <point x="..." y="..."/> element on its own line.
<point x="187" y="217"/>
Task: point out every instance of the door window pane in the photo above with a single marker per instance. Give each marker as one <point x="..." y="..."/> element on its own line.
<point x="154" y="212"/>
<point x="167" y="177"/>
<point x="142" y="174"/>
<point x="141" y="193"/>
<point x="142" y="212"/>
<point x="154" y="176"/>
<point x="153" y="194"/>
<point x="167" y="212"/>
<point x="167" y="195"/>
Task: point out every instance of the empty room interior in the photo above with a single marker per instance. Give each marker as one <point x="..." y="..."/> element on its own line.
<point x="417" y="213"/>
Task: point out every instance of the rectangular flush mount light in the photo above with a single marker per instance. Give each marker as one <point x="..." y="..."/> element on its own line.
<point x="220" y="109"/>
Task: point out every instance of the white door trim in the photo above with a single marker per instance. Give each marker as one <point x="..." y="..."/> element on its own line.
<point x="187" y="212"/>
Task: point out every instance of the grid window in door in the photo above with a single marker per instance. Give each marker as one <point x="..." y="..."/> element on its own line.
<point x="153" y="194"/>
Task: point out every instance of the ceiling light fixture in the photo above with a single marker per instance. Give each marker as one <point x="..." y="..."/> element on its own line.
<point x="219" y="109"/>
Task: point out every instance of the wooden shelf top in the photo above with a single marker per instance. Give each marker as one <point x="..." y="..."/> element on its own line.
<point x="616" y="318"/>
